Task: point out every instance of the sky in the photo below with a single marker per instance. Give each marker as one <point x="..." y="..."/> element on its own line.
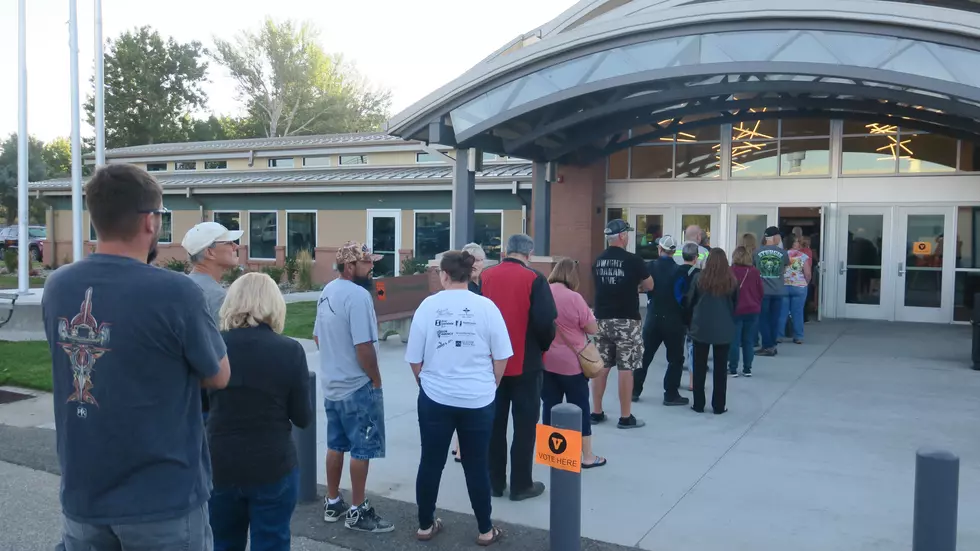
<point x="409" y="47"/>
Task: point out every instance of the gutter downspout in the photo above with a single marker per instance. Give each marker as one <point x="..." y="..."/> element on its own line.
<point x="514" y="190"/>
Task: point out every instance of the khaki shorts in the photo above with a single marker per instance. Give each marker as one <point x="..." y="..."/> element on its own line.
<point x="620" y="343"/>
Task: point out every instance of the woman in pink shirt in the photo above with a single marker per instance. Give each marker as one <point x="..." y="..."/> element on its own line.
<point x="563" y="377"/>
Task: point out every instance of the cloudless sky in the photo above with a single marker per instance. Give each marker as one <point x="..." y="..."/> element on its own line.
<point x="410" y="47"/>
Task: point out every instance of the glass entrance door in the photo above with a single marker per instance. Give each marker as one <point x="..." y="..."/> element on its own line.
<point x="749" y="220"/>
<point x="864" y="284"/>
<point x="704" y="218"/>
<point x="384" y="234"/>
<point x="650" y="225"/>
<point x="920" y="265"/>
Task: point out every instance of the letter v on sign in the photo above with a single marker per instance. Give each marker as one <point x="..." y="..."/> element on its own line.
<point x="559" y="448"/>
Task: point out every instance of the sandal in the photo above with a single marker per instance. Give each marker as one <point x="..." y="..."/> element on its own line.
<point x="599" y="462"/>
<point x="433" y="532"/>
<point x="496" y="535"/>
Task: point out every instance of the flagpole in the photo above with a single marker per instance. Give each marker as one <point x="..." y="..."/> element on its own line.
<point x="99" y="88"/>
<point x="23" y="211"/>
<point x="76" y="137"/>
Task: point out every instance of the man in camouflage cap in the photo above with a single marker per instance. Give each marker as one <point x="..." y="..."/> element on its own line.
<point x="346" y="329"/>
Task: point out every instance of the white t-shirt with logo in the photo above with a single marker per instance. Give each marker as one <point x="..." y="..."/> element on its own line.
<point x="456" y="335"/>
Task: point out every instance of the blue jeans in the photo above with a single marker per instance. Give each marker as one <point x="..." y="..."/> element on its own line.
<point x="191" y="532"/>
<point x="574" y="389"/>
<point x="259" y="512"/>
<point x="769" y="319"/>
<point x="356" y="424"/>
<point x="746" y="329"/>
<point x="792" y="307"/>
<point x="473" y="428"/>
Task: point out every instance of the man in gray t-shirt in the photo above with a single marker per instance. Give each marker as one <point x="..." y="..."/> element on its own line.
<point x="346" y="331"/>
<point x="771" y="260"/>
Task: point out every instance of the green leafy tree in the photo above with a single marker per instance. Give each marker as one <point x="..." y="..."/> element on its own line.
<point x="152" y="86"/>
<point x="57" y="158"/>
<point x="291" y="86"/>
<point x="36" y="171"/>
<point x="222" y="128"/>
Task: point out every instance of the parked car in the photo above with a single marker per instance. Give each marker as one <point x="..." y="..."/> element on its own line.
<point x="36" y="236"/>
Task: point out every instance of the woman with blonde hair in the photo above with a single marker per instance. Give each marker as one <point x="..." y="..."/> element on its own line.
<point x="563" y="377"/>
<point x="249" y="428"/>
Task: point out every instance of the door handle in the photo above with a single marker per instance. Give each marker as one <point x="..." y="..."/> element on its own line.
<point x="842" y="269"/>
<point x="901" y="269"/>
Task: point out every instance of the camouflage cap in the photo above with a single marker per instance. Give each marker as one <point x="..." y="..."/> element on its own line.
<point x="352" y="251"/>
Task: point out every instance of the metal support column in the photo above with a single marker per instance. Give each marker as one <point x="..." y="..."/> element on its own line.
<point x="541" y="190"/>
<point x="464" y="201"/>
<point x="99" y="88"/>
<point x="23" y="209"/>
<point x="76" y="138"/>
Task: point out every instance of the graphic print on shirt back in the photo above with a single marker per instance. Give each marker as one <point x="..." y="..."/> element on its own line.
<point x="771" y="264"/>
<point x="454" y="329"/>
<point x="610" y="271"/>
<point x="84" y="340"/>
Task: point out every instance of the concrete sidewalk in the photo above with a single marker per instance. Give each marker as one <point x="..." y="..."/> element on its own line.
<point x="817" y="451"/>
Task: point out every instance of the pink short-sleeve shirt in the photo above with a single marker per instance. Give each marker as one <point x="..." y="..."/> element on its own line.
<point x="573" y="315"/>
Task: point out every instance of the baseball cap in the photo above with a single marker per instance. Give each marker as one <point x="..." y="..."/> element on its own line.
<point x="771" y="231"/>
<point x="616" y="227"/>
<point x="205" y="234"/>
<point x="352" y="251"/>
<point x="667" y="243"/>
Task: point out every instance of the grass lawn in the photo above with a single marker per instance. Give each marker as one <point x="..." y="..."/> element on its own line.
<point x="299" y="319"/>
<point x="10" y="282"/>
<point x="25" y="364"/>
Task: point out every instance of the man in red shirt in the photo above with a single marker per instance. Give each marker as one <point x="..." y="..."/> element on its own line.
<point x="523" y="297"/>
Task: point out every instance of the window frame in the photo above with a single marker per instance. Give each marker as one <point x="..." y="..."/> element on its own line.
<point x="238" y="212"/>
<point x="340" y="160"/>
<point x="327" y="157"/>
<point x="369" y="235"/>
<point x="166" y="166"/>
<point x="249" y="226"/>
<point x="178" y="163"/>
<point x="434" y="161"/>
<point x="215" y="169"/>
<point x="501" y="213"/>
<point x="171" y="215"/>
<point x="271" y="160"/>
<point x="415" y="226"/>
<point x="316" y="228"/>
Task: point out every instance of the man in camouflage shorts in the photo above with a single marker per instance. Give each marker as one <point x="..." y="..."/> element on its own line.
<point x="619" y="276"/>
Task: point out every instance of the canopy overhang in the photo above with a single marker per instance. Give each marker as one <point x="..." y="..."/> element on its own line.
<point x="573" y="96"/>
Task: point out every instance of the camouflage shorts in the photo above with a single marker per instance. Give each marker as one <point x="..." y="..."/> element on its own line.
<point x="620" y="343"/>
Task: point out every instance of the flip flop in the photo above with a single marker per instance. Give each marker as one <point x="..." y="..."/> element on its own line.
<point x="497" y="536"/>
<point x="433" y="532"/>
<point x="599" y="462"/>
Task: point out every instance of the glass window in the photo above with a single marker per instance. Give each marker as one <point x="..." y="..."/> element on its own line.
<point x="300" y="233"/>
<point x="431" y="233"/>
<point x="185" y="165"/>
<point x="652" y="161"/>
<point x="923" y="153"/>
<point x="967" y="286"/>
<point x="91" y="232"/>
<point x="863" y="155"/>
<point x="808" y="157"/>
<point x="489" y="232"/>
<point x="798" y="128"/>
<point x="614" y="213"/>
<point x="968" y="238"/>
<point x="384" y="233"/>
<point x="698" y="160"/>
<point x="263" y="230"/>
<point x="284" y="162"/>
<point x="924" y="272"/>
<point x="865" y="235"/>
<point x="316" y="161"/>
<point x="649" y="228"/>
<point x="353" y="159"/>
<point x="702" y="221"/>
<point x="166" y="228"/>
<point x="215" y="165"/>
<point x="619" y="165"/>
<point x="708" y="133"/>
<point x="490" y="157"/>
<point x="969" y="156"/>
<point x="755" y="130"/>
<point x="863" y="127"/>
<point x="426" y="157"/>
<point x="37" y="233"/>
<point x="754" y="159"/>
<point x="230" y="220"/>
<point x="156" y="167"/>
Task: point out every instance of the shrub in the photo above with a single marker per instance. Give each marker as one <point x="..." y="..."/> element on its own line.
<point x="231" y="275"/>
<point x="290" y="268"/>
<point x="416" y="265"/>
<point x="11" y="260"/>
<point x="275" y="272"/>
<point x="177" y="265"/>
<point x="304" y="271"/>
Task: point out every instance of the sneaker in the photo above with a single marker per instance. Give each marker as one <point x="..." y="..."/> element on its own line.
<point x="630" y="422"/>
<point x="766" y="352"/>
<point x="733" y="373"/>
<point x="335" y="512"/>
<point x="365" y="519"/>
<point x="747" y="372"/>
<point x="677" y="401"/>
<point x="597" y="417"/>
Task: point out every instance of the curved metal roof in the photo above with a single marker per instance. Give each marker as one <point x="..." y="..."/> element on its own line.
<point x="604" y="57"/>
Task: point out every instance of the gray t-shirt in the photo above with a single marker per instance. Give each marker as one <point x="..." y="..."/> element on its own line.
<point x="771" y="261"/>
<point x="130" y="344"/>
<point x="214" y="293"/>
<point x="345" y="318"/>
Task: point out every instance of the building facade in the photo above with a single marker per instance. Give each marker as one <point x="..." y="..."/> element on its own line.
<point x="311" y="193"/>
<point x="856" y="121"/>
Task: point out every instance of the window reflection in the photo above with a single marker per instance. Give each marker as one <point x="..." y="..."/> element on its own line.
<point x="698" y="160"/>
<point x="967" y="283"/>
<point x="863" y="155"/>
<point x="926" y="153"/>
<point x="807" y="157"/>
<point x="649" y="228"/>
<point x="652" y="161"/>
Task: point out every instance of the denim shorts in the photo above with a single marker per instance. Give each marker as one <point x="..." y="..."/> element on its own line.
<point x="356" y="424"/>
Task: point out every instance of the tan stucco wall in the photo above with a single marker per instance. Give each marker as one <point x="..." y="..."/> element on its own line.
<point x="512" y="224"/>
<point x="408" y="229"/>
<point x="182" y="221"/>
<point x="335" y="227"/>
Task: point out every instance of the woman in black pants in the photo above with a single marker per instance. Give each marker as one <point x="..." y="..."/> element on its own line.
<point x="711" y="299"/>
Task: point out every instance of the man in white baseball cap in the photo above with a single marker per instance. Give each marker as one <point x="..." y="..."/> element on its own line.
<point x="213" y="252"/>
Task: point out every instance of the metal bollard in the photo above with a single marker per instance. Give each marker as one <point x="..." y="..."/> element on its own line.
<point x="305" y="441"/>
<point x="937" y="480"/>
<point x="566" y="488"/>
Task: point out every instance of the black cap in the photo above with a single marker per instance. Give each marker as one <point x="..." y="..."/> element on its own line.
<point x="616" y="227"/>
<point x="771" y="231"/>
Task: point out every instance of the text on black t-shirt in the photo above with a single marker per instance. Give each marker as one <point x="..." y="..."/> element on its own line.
<point x="617" y="274"/>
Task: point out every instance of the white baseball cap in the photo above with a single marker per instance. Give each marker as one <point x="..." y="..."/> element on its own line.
<point x="205" y="234"/>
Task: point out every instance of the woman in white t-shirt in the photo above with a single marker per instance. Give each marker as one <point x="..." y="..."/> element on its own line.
<point x="458" y="348"/>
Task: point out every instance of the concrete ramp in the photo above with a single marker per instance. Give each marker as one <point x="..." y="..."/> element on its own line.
<point x="20" y="314"/>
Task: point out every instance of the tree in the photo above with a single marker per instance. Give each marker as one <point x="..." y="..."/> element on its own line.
<point x="222" y="128"/>
<point x="57" y="158"/>
<point x="36" y="171"/>
<point x="291" y="86"/>
<point x="151" y="88"/>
